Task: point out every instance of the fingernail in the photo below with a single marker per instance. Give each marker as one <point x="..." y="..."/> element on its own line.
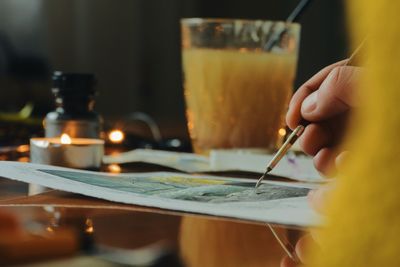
<point x="310" y="103"/>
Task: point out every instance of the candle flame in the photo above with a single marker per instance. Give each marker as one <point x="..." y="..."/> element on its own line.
<point x="23" y="148"/>
<point x="65" y="139"/>
<point x="89" y="226"/>
<point x="114" y="168"/>
<point x="116" y="136"/>
<point x="282" y="132"/>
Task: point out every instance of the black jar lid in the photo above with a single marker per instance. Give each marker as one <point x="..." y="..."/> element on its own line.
<point x="73" y="83"/>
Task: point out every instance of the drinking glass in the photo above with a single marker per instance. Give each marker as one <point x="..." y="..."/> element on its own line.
<point x="238" y="79"/>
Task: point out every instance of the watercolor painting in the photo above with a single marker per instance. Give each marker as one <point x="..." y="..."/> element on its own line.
<point x="188" y="188"/>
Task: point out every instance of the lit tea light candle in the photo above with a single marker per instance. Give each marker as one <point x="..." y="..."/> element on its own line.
<point x="65" y="139"/>
<point x="282" y="131"/>
<point x="114" y="168"/>
<point x="81" y="153"/>
<point x="116" y="136"/>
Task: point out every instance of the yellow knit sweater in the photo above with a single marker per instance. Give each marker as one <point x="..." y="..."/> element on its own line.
<point x="363" y="226"/>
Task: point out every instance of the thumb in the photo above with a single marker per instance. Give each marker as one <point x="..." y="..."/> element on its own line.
<point x="334" y="96"/>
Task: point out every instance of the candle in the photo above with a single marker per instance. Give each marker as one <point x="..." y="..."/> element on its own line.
<point x="81" y="153"/>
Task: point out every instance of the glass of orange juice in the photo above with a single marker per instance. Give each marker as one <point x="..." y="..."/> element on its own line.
<point x="238" y="79"/>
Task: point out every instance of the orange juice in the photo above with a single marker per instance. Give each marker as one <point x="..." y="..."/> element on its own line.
<point x="237" y="98"/>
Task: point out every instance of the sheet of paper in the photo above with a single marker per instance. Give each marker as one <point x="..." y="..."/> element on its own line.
<point x="274" y="202"/>
<point x="300" y="168"/>
<point x="186" y="162"/>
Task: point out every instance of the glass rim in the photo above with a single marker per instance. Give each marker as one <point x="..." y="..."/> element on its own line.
<point x="198" y="20"/>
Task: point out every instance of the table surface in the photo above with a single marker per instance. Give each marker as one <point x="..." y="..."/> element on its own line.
<point x="83" y="231"/>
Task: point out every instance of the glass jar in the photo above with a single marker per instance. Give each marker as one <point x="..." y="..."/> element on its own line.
<point x="74" y="100"/>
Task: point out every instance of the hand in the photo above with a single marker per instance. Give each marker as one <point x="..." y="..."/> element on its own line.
<point x="309" y="242"/>
<point x="324" y="101"/>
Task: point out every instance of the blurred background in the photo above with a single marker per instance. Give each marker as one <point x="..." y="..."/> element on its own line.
<point x="133" y="48"/>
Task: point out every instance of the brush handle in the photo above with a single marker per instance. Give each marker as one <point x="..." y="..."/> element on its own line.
<point x="286" y="146"/>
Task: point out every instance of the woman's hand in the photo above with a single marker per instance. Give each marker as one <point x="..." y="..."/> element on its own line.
<point x="324" y="101"/>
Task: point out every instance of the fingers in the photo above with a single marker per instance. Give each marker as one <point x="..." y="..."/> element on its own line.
<point x="293" y="116"/>
<point x="341" y="159"/>
<point x="328" y="161"/>
<point x="322" y="141"/>
<point x="302" y="249"/>
<point x="303" y="246"/>
<point x="314" y="138"/>
<point x="288" y="262"/>
<point x="324" y="161"/>
<point x="334" y="95"/>
<point x="318" y="198"/>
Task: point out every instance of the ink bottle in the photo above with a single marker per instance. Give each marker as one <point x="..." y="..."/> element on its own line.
<point x="74" y="115"/>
